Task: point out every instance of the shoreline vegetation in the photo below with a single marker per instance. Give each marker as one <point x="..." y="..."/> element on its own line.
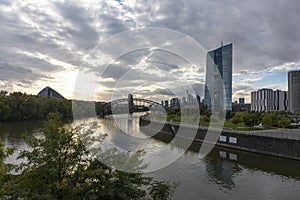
<point x="241" y="120"/>
<point x="19" y="106"/>
<point x="59" y="166"/>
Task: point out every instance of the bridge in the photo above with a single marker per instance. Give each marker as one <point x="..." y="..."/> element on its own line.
<point x="124" y="105"/>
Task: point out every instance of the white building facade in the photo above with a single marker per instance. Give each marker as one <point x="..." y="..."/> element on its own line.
<point x="269" y="100"/>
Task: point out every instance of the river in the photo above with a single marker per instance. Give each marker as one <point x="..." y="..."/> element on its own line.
<point x="223" y="174"/>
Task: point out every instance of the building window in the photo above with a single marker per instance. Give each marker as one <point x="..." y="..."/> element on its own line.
<point x="233" y="140"/>
<point x="223" y="138"/>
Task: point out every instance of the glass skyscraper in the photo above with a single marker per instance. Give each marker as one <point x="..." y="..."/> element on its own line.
<point x="219" y="72"/>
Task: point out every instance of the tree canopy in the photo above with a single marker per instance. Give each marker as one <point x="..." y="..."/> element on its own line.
<point x="58" y="166"/>
<point x="18" y="106"/>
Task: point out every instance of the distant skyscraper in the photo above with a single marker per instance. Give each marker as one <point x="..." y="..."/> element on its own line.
<point x="294" y="91"/>
<point x="174" y="103"/>
<point x="241" y="100"/>
<point x="219" y="63"/>
<point x="190" y="98"/>
<point x="166" y="104"/>
<point x="183" y="100"/>
<point x="198" y="99"/>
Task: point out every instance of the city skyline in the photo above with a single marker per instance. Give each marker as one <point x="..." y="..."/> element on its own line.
<point x="43" y="43"/>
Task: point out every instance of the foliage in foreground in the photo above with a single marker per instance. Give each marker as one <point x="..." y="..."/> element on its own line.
<point x="58" y="166"/>
<point x="4" y="168"/>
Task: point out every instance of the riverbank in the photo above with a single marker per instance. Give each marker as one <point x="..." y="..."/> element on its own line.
<point x="281" y="143"/>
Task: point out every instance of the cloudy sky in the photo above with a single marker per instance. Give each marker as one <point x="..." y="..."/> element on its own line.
<point x="46" y="43"/>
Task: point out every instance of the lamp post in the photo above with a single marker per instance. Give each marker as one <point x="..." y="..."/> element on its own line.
<point x="251" y="123"/>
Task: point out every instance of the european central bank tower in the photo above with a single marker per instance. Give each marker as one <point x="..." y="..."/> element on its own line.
<point x="218" y="70"/>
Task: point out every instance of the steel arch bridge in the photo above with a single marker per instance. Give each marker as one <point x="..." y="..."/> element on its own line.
<point x="136" y="101"/>
<point x="131" y="105"/>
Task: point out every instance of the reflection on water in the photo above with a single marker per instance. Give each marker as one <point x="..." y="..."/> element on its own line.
<point x="124" y="134"/>
<point x="223" y="174"/>
<point x="11" y="133"/>
<point x="221" y="171"/>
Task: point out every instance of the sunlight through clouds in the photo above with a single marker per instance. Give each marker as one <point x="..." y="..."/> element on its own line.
<point x="51" y="38"/>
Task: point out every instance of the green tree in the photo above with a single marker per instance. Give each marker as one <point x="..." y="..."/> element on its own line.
<point x="2" y="167"/>
<point x="284" y="122"/>
<point x="5" y="177"/>
<point x="237" y="118"/>
<point x="53" y="163"/>
<point x="160" y="190"/>
<point x="20" y="106"/>
<point x="252" y="118"/>
<point x="58" y="166"/>
<point x="268" y="119"/>
<point x="203" y="109"/>
<point x="3" y="93"/>
<point x="5" y="111"/>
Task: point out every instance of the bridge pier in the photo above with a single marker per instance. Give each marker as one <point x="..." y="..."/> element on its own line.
<point x="130" y="104"/>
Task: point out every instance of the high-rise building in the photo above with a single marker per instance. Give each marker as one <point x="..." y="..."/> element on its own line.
<point x="166" y="104"/>
<point x="269" y="100"/>
<point x="174" y="103"/>
<point x="281" y="100"/>
<point x="241" y="100"/>
<point x="183" y="100"/>
<point x="198" y="99"/>
<point x="262" y="100"/>
<point x="294" y="91"/>
<point x="219" y="66"/>
<point x="190" y="98"/>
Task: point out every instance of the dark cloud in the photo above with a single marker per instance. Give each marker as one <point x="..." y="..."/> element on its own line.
<point x="7" y="67"/>
<point x="81" y="32"/>
<point x="164" y="92"/>
<point x="19" y="75"/>
<point x="264" y="33"/>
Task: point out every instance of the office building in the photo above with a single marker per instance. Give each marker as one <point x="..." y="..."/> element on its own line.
<point x="262" y="100"/>
<point x="237" y="107"/>
<point x="269" y="100"/>
<point x="190" y="98"/>
<point x="219" y="65"/>
<point x="241" y="100"/>
<point x="294" y="91"/>
<point x="183" y="101"/>
<point x="166" y="104"/>
<point x="281" y="100"/>
<point x="174" y="103"/>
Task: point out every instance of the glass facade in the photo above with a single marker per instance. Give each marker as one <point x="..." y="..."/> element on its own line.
<point x="218" y="84"/>
<point x="49" y="92"/>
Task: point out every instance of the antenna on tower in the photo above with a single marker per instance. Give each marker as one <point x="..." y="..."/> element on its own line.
<point x="221" y="43"/>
